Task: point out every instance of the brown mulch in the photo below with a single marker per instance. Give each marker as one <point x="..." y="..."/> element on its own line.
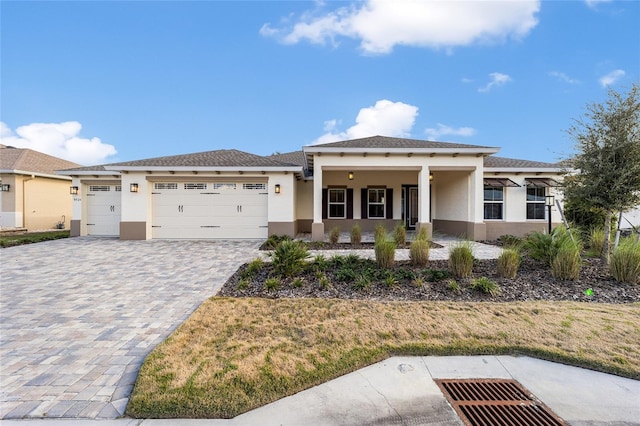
<point x="533" y="282"/>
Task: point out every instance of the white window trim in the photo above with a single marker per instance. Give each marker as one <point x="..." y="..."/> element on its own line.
<point x="384" y="203"/>
<point x="329" y="203"/>
<point x="503" y="203"/>
<point x="543" y="202"/>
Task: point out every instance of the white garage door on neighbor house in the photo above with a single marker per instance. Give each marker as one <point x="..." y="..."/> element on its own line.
<point x="208" y="210"/>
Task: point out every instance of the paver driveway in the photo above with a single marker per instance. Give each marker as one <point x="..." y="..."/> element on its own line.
<point x="79" y="315"/>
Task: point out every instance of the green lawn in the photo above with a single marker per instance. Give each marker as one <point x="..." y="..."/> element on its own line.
<point x="32" y="237"/>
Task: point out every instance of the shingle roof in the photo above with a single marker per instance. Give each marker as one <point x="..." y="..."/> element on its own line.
<point x="492" y="161"/>
<point x="295" y="157"/>
<point x="218" y="158"/>
<point x="29" y="160"/>
<point x="389" y="142"/>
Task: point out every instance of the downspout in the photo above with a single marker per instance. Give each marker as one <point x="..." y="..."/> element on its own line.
<point x="24" y="202"/>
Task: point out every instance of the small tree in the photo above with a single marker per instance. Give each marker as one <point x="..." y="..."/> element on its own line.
<point x="607" y="141"/>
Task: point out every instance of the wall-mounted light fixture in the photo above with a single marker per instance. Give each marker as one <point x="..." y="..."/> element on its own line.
<point x="430" y="176"/>
<point x="5" y="187"/>
<point x="277" y="188"/>
<point x="350" y="175"/>
<point x="133" y="187"/>
<point x="73" y="190"/>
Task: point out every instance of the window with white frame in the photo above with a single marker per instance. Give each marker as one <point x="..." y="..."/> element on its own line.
<point x="536" y="202"/>
<point x="376" y="206"/>
<point x="337" y="203"/>
<point x="493" y="203"/>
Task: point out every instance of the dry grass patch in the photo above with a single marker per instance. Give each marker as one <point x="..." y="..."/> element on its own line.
<point x="233" y="355"/>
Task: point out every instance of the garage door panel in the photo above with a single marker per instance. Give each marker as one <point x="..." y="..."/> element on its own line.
<point x="103" y="210"/>
<point x="209" y="210"/>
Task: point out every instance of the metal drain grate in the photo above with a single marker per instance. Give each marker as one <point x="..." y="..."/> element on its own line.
<point x="493" y="402"/>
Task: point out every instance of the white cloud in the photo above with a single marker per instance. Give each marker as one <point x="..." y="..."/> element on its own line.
<point x="444" y="130"/>
<point x="611" y="78"/>
<point x="563" y="77"/>
<point x="58" y="139"/>
<point x="380" y="25"/>
<point x="385" y="118"/>
<point x="593" y="4"/>
<point x="497" y="79"/>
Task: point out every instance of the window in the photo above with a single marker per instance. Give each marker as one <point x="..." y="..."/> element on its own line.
<point x="195" y="186"/>
<point x="376" y="203"/>
<point x="337" y="203"/>
<point x="535" y="202"/>
<point x="254" y="186"/>
<point x="493" y="202"/>
<point x="99" y="188"/>
<point x="165" y="185"/>
<point x="218" y="185"/>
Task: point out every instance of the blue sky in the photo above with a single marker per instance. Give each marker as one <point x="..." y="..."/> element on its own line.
<point x="99" y="81"/>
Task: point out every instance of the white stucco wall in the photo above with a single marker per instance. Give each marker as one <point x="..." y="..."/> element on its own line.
<point x="282" y="205"/>
<point x="451" y="190"/>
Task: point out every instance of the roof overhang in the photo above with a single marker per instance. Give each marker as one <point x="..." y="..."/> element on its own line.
<point x="87" y="173"/>
<point x="34" y="174"/>
<point x="521" y="170"/>
<point x="255" y="169"/>
<point x="312" y="150"/>
<point x="541" y="182"/>
<point x="499" y="182"/>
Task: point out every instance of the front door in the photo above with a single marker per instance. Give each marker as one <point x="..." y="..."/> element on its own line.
<point x="410" y="205"/>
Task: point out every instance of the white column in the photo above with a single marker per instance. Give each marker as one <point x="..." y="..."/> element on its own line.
<point x="317" y="227"/>
<point x="424" y="199"/>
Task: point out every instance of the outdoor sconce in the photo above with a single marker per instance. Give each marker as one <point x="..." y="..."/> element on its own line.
<point x="73" y="190"/>
<point x="549" y="200"/>
<point x="5" y="187"/>
<point x="430" y="176"/>
<point x="350" y="175"/>
<point x="133" y="187"/>
<point x="277" y="188"/>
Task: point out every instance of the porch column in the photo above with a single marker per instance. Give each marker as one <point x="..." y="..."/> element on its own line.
<point x="317" y="227"/>
<point x="424" y="200"/>
<point x="476" y="228"/>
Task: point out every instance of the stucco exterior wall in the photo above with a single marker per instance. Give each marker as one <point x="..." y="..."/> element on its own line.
<point x="451" y="195"/>
<point x="36" y="202"/>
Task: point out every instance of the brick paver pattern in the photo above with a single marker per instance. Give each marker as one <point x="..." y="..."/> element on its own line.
<point x="78" y="316"/>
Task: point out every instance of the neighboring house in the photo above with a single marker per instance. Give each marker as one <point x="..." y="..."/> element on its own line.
<point x="447" y="187"/>
<point x="33" y="196"/>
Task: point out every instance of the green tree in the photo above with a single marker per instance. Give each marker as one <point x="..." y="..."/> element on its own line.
<point x="607" y="141"/>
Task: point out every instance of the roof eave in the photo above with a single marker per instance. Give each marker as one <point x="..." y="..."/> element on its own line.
<point x="86" y="172"/>
<point x="524" y="170"/>
<point x="342" y="150"/>
<point x="202" y="169"/>
<point x="38" y="174"/>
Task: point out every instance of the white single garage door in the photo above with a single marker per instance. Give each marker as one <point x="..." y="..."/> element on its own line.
<point x="103" y="210"/>
<point x="209" y="210"/>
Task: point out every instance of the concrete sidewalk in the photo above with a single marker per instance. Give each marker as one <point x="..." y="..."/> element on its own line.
<point x="401" y="390"/>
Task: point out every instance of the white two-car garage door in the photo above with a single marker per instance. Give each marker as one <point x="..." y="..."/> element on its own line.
<point x="207" y="210"/>
<point x="103" y="210"/>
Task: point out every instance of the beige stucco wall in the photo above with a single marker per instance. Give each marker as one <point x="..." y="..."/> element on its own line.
<point x="35" y="202"/>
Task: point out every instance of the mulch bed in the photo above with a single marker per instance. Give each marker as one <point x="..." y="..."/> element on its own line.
<point x="533" y="282"/>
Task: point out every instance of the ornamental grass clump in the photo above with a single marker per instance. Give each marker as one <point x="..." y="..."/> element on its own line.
<point x="385" y="253"/>
<point x="380" y="233"/>
<point x="419" y="252"/>
<point x="461" y="259"/>
<point x="423" y="234"/>
<point x="334" y="235"/>
<point x="508" y="263"/>
<point x="596" y="241"/>
<point x="485" y="285"/>
<point x="400" y="234"/>
<point x="356" y="234"/>
<point x="565" y="264"/>
<point x="289" y="258"/>
<point x="624" y="264"/>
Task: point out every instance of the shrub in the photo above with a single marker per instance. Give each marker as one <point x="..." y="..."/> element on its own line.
<point x="274" y="241"/>
<point x="289" y="257"/>
<point x="566" y="260"/>
<point x="334" y="235"/>
<point x="346" y="274"/>
<point x="453" y="286"/>
<point x="624" y="264"/>
<point x="485" y="285"/>
<point x="385" y="253"/>
<point x="324" y="282"/>
<point x="298" y="282"/>
<point x="596" y="241"/>
<point x="390" y="280"/>
<point x="380" y="233"/>
<point x="320" y="263"/>
<point x="419" y="252"/>
<point x="423" y="234"/>
<point x="418" y="281"/>
<point x="356" y="234"/>
<point x="510" y="241"/>
<point x="508" y="263"/>
<point x="362" y="283"/>
<point x="272" y="283"/>
<point x="461" y="259"/>
<point x="545" y="247"/>
<point x="243" y="284"/>
<point x="438" y="274"/>
<point x="400" y="234"/>
<point x="253" y="268"/>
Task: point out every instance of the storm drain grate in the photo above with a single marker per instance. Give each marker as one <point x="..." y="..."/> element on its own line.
<point x="493" y="402"/>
